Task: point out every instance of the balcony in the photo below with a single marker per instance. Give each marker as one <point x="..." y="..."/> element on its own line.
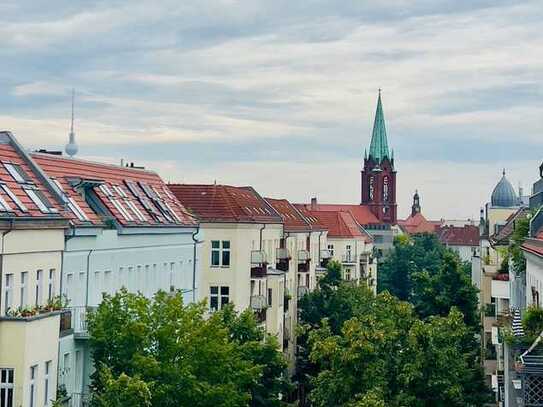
<point x="348" y="258"/>
<point x="499" y="288"/>
<point x="303" y="267"/>
<point x="282" y="253"/>
<point x="258" y="302"/>
<point x="302" y="291"/>
<point x="326" y="254"/>
<point x="259" y="265"/>
<point x="303" y="256"/>
<point x="282" y="264"/>
<point x="78" y="400"/>
<point x="79" y="321"/>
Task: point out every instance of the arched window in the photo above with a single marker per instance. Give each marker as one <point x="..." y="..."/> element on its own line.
<point x="370" y="188"/>
<point x="385" y="188"/>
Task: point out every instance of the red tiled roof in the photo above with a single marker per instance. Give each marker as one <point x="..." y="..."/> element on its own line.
<point x="507" y="230"/>
<point x="340" y="224"/>
<point x="534" y="246"/>
<point x="418" y="224"/>
<point x="9" y="155"/>
<point x="467" y="235"/>
<point x="361" y="213"/>
<point x="293" y="221"/>
<point x="119" y="190"/>
<point x="225" y="203"/>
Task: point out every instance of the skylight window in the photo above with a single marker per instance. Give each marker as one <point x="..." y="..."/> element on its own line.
<point x="39" y="199"/>
<point x="76" y="209"/>
<point x="168" y="193"/>
<point x="120" y="191"/>
<point x="18" y="173"/>
<point x="4" y="207"/>
<point x="139" y="214"/>
<point x="105" y="189"/>
<point x="14" y="198"/>
<point x="119" y="206"/>
<point x="172" y="212"/>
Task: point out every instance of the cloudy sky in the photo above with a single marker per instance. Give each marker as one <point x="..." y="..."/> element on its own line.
<point x="281" y="94"/>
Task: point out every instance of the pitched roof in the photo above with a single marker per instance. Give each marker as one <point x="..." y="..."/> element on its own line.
<point x="23" y="193"/>
<point x="418" y="224"/>
<point x="534" y="246"/>
<point x="379" y="143"/>
<point x="293" y="220"/>
<point x="225" y="203"/>
<point x="361" y="213"/>
<point x="507" y="230"/>
<point x="133" y="197"/>
<point x="467" y="235"/>
<point x="340" y="224"/>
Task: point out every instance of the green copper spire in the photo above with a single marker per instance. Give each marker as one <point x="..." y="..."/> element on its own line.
<point x="379" y="144"/>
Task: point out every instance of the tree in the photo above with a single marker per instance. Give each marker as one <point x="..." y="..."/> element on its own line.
<point x="123" y="391"/>
<point x="180" y="354"/>
<point x="430" y="276"/>
<point x="389" y="356"/>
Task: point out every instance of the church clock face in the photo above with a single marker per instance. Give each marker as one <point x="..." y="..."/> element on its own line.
<point x="385" y="189"/>
<point x="371" y="188"/>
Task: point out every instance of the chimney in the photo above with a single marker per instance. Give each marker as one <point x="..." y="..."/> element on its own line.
<point x="314" y="203"/>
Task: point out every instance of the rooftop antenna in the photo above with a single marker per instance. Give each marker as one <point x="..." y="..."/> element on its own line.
<point x="71" y="147"/>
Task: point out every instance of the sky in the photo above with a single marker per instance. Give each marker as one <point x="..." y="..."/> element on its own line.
<point x="281" y="95"/>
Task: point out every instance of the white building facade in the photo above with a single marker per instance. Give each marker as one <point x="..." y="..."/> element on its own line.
<point x="126" y="230"/>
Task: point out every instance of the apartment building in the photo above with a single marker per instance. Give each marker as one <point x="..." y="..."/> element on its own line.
<point x="32" y="226"/>
<point x="347" y="243"/>
<point x="243" y="243"/>
<point x="126" y="230"/>
<point x="301" y="256"/>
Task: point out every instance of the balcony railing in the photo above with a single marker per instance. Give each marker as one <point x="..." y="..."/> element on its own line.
<point x="282" y="253"/>
<point x="258" y="302"/>
<point x="303" y="256"/>
<point x="325" y="254"/>
<point x="348" y="258"/>
<point x="302" y="291"/>
<point x="79" y="400"/>
<point x="79" y="320"/>
<point x="258" y="257"/>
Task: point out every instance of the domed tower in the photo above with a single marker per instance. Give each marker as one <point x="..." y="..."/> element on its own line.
<point x="379" y="176"/>
<point x="504" y="194"/>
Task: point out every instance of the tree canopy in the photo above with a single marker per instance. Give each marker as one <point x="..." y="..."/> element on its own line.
<point x="169" y="354"/>
<point x="358" y="349"/>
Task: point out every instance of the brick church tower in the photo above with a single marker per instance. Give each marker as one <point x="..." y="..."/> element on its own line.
<point x="378" y="175"/>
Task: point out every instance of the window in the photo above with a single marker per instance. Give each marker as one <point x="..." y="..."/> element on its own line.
<point x="51" y="285"/>
<point x="14" y="198"/>
<point x="121" y="209"/>
<point x="172" y="281"/>
<point x="214" y="297"/>
<point x="270" y="297"/>
<point x="225" y="296"/>
<point x="331" y="249"/>
<point x="22" y="293"/>
<point x="220" y="253"/>
<point x="17" y="173"/>
<point x="46" y="383"/>
<point x="33" y="374"/>
<point x="39" y="199"/>
<point x="4" y="206"/>
<point x="38" y="295"/>
<point x="347" y="274"/>
<point x="6" y="387"/>
<point x="76" y="209"/>
<point x="66" y="364"/>
<point x="8" y="293"/>
<point x="139" y="214"/>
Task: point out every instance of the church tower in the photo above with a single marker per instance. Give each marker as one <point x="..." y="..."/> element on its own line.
<point x="415" y="208"/>
<point x="379" y="175"/>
